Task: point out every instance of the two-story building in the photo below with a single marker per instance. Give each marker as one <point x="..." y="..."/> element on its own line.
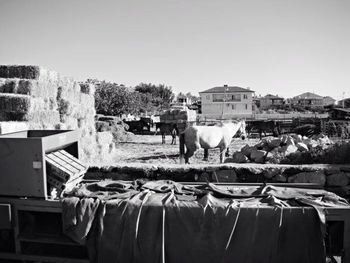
<point x="308" y="99"/>
<point x="270" y="101"/>
<point x="312" y="100"/>
<point x="227" y="102"/>
<point x="327" y="101"/>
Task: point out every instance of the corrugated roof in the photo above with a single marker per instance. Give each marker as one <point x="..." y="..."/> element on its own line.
<point x="223" y="89"/>
<point x="308" y="95"/>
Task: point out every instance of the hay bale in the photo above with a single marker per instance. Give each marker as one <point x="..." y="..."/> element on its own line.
<point x="21" y="72"/>
<point x="70" y="122"/>
<point x="8" y="85"/>
<point x="103" y="138"/>
<point x="13" y="126"/>
<point x="44" y="118"/>
<point x="14" y="103"/>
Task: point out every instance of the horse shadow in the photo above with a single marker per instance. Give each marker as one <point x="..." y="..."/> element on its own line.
<point x="156" y="157"/>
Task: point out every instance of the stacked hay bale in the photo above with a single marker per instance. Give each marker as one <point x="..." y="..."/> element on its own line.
<point x="178" y="116"/>
<point x="284" y="149"/>
<point x="35" y="98"/>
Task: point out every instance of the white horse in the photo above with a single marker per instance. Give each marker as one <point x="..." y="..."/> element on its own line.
<point x="209" y="137"/>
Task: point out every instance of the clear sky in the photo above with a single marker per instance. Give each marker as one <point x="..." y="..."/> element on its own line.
<point x="283" y="47"/>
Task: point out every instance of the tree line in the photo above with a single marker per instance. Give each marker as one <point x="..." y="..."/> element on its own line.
<point x="116" y="99"/>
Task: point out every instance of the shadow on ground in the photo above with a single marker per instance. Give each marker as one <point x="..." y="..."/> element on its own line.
<point x="155" y="157"/>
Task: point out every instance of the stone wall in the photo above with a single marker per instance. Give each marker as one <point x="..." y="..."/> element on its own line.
<point x="333" y="177"/>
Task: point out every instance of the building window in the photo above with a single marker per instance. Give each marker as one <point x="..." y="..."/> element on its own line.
<point x="245" y="96"/>
<point x="234" y="97"/>
<point x="246" y="106"/>
<point x="233" y="106"/>
<point x="218" y="97"/>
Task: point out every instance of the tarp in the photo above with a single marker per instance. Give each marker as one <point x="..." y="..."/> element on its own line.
<point x="164" y="221"/>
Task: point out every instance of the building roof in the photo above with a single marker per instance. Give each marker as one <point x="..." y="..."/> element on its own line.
<point x="270" y="96"/>
<point x="223" y="89"/>
<point x="308" y="95"/>
<point x="342" y="109"/>
<point x="346" y="99"/>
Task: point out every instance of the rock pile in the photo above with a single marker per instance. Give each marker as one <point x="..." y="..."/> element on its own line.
<point x="283" y="149"/>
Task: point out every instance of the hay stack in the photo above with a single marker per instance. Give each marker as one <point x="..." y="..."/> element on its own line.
<point x="43" y="99"/>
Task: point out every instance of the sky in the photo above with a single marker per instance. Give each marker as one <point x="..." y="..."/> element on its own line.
<point x="283" y="47"/>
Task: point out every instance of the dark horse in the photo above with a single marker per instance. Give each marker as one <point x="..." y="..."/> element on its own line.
<point x="263" y="126"/>
<point x="167" y="128"/>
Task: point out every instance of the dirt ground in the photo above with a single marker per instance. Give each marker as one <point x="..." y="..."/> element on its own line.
<point x="149" y="149"/>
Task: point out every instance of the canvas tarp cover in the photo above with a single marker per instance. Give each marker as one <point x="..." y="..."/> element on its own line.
<point x="164" y="221"/>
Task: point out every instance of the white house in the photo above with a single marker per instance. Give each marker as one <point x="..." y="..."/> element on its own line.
<point x="227" y="102"/>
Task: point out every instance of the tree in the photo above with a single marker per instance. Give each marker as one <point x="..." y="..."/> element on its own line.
<point x="113" y="99"/>
<point x="161" y="96"/>
<point x="192" y="97"/>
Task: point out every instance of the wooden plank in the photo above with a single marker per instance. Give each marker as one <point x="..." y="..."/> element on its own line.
<point x="62" y="172"/>
<point x="54" y="161"/>
<point x="65" y="163"/>
<point x="73" y="159"/>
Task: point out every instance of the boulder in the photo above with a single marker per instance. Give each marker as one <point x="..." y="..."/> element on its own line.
<point x="271" y="172"/>
<point x="275" y="158"/>
<point x="289" y="149"/>
<point x="239" y="157"/>
<point x="274" y="143"/>
<point x="290" y="141"/>
<point x="225" y="176"/>
<point x="258" y="156"/>
<point x="284" y="139"/>
<point x="332" y="170"/>
<point x="317" y="177"/>
<point x="302" y="147"/>
<point x="269" y="156"/>
<point x="261" y="144"/>
<point x="280" y="178"/>
<point x="324" y="141"/>
<point x="299" y="138"/>
<point x="246" y="150"/>
<point x="339" y="179"/>
<point x="311" y="144"/>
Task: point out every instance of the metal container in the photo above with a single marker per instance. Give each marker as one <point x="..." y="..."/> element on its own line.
<point x="22" y="159"/>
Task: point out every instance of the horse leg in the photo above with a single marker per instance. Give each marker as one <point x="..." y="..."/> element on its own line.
<point x="163" y="138"/>
<point x="206" y="154"/>
<point x="227" y="154"/>
<point x="222" y="154"/>
<point x="189" y="153"/>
